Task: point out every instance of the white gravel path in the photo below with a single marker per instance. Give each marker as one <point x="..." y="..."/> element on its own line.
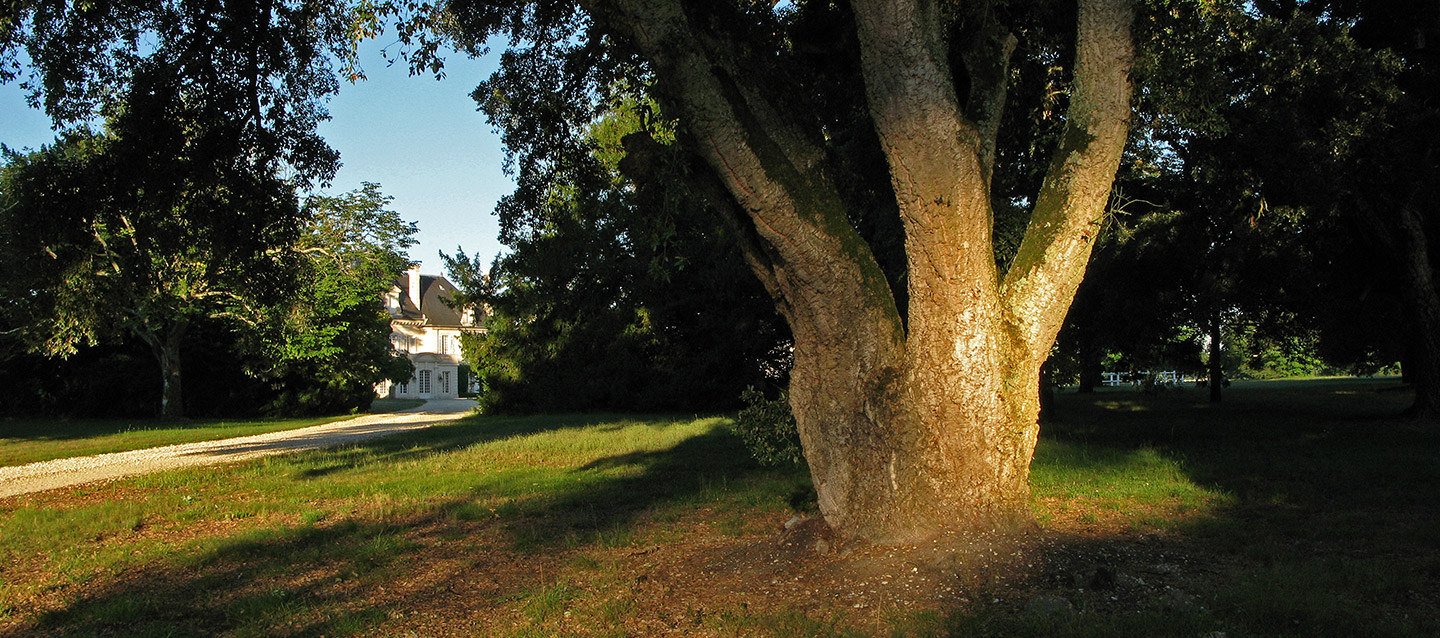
<point x="49" y="475"/>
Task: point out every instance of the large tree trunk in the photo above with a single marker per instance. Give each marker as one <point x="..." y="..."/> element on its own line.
<point x="917" y="426"/>
<point x="1422" y="362"/>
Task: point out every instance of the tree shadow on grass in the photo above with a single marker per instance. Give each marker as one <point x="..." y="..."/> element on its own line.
<point x="703" y="468"/>
<point x="333" y="577"/>
<point x="1314" y="447"/>
<point x="1325" y="524"/>
<point x="453" y="436"/>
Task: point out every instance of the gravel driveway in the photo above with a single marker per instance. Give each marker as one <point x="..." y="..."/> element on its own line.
<point x="48" y="475"/>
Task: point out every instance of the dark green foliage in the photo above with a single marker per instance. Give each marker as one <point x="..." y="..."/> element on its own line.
<point x="619" y="294"/>
<point x="239" y="75"/>
<point x="768" y="428"/>
<point x="1237" y="215"/>
<point x="128" y="234"/>
<point x="97" y="275"/>
<point x="180" y="226"/>
<point x="327" y="344"/>
<point x="177" y="214"/>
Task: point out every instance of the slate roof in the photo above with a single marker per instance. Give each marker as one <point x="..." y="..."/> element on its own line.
<point x="433" y="291"/>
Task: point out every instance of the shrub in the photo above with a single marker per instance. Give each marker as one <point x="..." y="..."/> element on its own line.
<point x="768" y="428"/>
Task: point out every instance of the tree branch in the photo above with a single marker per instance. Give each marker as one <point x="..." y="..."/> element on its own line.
<point x="1051" y="261"/>
<point x="772" y="166"/>
<point x="936" y="170"/>
<point x="986" y="52"/>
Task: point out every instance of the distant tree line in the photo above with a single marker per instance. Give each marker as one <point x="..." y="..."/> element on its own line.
<point x="159" y="252"/>
<point x="1272" y="216"/>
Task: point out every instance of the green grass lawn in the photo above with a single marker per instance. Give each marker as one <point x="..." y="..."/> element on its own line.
<point x="1288" y="510"/>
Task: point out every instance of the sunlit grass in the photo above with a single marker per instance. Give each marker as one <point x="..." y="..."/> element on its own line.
<point x="539" y="478"/>
<point x="1143" y="487"/>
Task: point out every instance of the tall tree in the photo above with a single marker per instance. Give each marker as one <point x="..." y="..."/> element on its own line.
<point x="177" y="206"/>
<point x="1254" y="120"/>
<point x="1394" y="170"/>
<point x="916" y="402"/>
<point x="327" y="341"/>
<point x="255" y="74"/>
<point x="1327" y="108"/>
<point x="142" y="246"/>
<point x="617" y="295"/>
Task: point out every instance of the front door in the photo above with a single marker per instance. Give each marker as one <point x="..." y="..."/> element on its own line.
<point x="424" y="384"/>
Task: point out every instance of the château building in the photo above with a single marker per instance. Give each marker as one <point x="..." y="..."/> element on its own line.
<point x="425" y="327"/>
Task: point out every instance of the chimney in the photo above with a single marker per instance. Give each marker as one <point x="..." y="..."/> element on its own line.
<point x="414" y="288"/>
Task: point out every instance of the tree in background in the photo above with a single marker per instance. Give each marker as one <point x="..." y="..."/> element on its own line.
<point x="301" y="317"/>
<point x="247" y="78"/>
<point x="328" y="340"/>
<point x="1253" y="131"/>
<point x="1382" y="193"/>
<point x="118" y="245"/>
<point x="616" y="296"/>
<point x="183" y="216"/>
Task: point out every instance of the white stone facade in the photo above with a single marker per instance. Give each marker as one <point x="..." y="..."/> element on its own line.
<point x="423" y="326"/>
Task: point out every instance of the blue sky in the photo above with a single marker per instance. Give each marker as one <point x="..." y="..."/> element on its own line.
<point x="422" y="140"/>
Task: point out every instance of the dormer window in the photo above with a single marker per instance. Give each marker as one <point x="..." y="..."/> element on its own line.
<point x="392" y="302"/>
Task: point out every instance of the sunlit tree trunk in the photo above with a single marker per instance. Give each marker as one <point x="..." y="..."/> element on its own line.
<point x="912" y="427"/>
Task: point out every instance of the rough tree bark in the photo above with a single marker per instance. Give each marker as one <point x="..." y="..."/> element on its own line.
<point x="919" y="426"/>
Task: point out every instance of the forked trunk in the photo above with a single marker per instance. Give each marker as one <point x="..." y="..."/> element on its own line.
<point x="901" y="454"/>
<point x="915" y="427"/>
